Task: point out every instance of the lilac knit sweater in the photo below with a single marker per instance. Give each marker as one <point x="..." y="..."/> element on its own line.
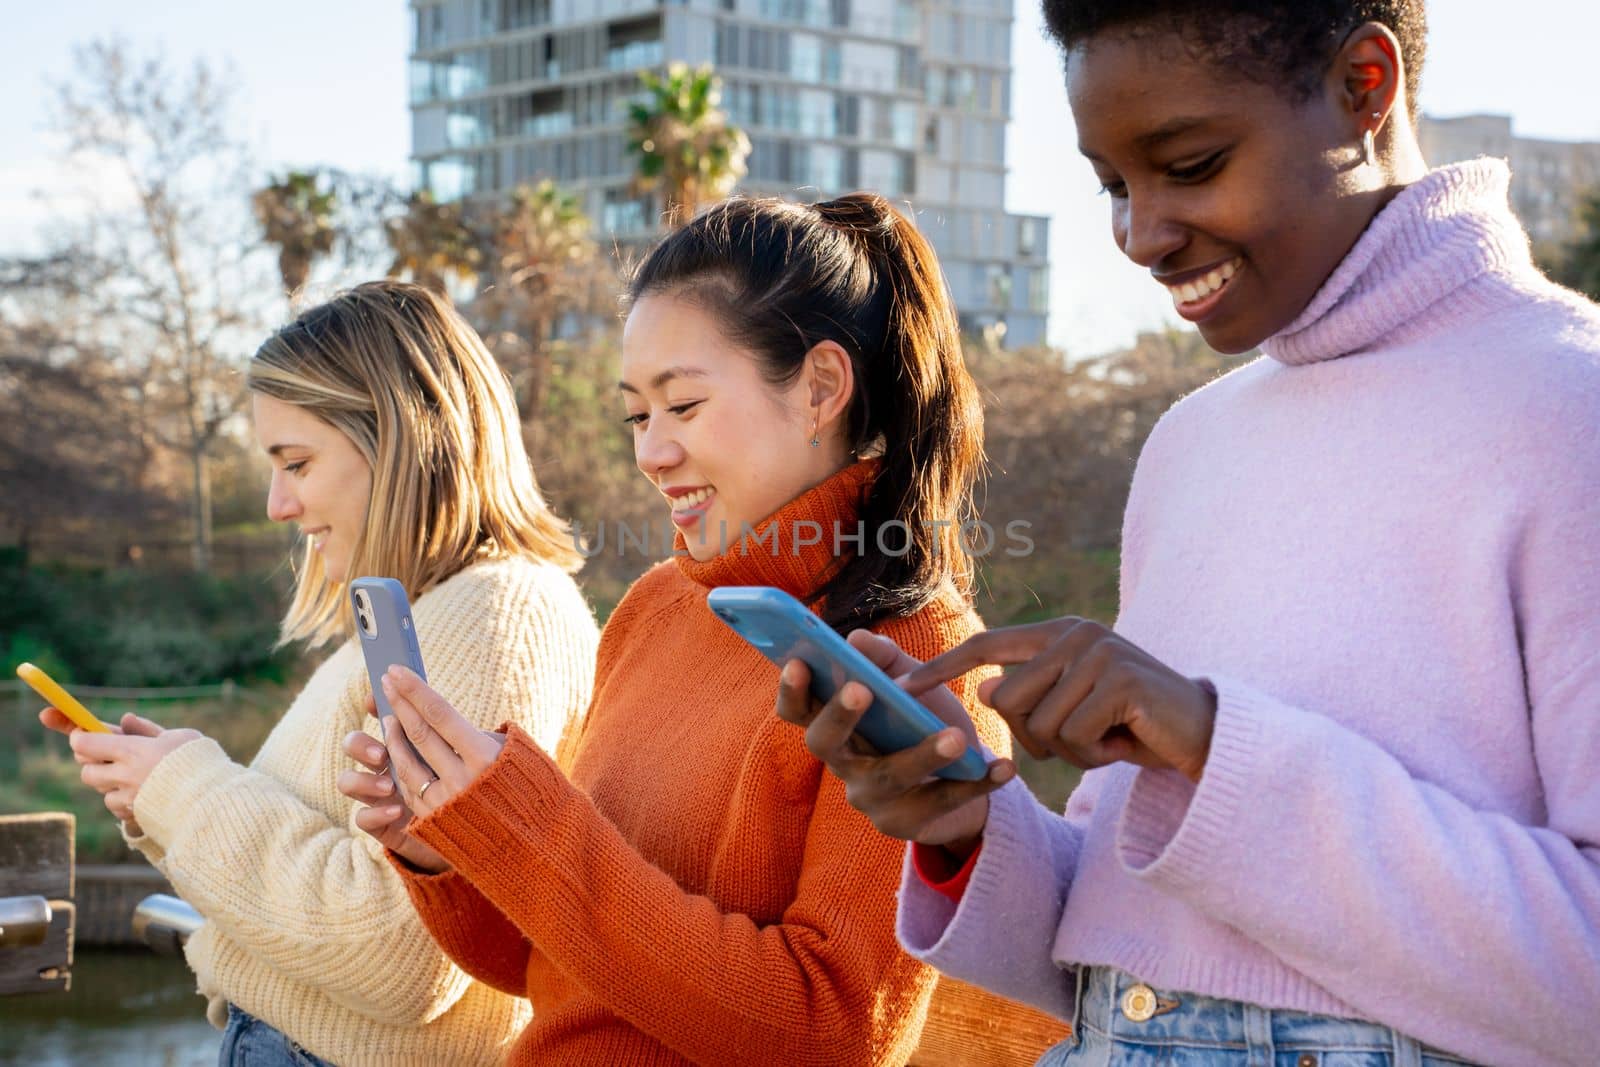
<point x="1382" y="544"/>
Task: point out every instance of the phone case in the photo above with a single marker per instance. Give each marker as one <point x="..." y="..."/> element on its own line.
<point x="60" y="699"/>
<point x="392" y="639"/>
<point x="782" y="629"/>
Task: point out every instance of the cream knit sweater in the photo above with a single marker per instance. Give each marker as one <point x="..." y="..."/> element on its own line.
<point x="308" y="926"/>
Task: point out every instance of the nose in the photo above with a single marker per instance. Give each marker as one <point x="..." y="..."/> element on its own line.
<point x="656" y="448"/>
<point x="1145" y="230"/>
<point x="282" y="503"/>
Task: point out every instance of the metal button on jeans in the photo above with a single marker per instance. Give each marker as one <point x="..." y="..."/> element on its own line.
<point x="1139" y="1003"/>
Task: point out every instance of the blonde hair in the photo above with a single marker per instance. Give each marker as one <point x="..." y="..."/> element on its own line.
<point x="400" y="373"/>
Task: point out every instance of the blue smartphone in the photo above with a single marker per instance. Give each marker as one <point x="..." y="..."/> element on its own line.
<point x="383" y="623"/>
<point x="782" y="629"/>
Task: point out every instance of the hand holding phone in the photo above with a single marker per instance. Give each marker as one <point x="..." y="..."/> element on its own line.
<point x="387" y="636"/>
<point x="60" y="699"/>
<point x="782" y="629"/>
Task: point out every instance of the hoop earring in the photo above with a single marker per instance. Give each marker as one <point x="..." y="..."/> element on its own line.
<point x="1369" y="142"/>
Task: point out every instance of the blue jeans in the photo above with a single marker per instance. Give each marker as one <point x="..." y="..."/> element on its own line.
<point x="249" y="1042"/>
<point x="1123" y="1023"/>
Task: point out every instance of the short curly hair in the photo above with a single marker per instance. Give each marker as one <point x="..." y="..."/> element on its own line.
<point x="1288" y="42"/>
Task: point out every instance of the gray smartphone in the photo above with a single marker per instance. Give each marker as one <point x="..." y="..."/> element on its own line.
<point x="383" y="624"/>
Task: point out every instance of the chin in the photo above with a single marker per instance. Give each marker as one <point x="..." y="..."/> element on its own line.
<point x="702" y="541"/>
<point x="1232" y="340"/>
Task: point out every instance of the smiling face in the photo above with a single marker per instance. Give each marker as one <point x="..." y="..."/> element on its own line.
<point x="320" y="480"/>
<point x="1236" y="197"/>
<point x="723" y="446"/>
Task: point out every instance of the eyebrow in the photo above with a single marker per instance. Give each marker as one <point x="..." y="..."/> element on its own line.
<point x="666" y="376"/>
<point x="1172" y="128"/>
<point x="278" y="450"/>
<point x="1168" y="130"/>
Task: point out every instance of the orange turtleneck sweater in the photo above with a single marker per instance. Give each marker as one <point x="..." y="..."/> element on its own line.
<point x="696" y="889"/>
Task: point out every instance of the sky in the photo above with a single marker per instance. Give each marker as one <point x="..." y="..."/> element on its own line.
<point x="323" y="83"/>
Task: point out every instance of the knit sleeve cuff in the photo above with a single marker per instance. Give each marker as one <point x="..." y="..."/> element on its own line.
<point x="933" y="924"/>
<point x="435" y="896"/>
<point x="175" y="789"/>
<point x="939" y="873"/>
<point x="142" y="843"/>
<point x="509" y="800"/>
<point x="1001" y="935"/>
<point x="1173" y="830"/>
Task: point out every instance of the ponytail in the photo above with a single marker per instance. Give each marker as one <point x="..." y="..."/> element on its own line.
<point x="782" y="277"/>
<point x="923" y="406"/>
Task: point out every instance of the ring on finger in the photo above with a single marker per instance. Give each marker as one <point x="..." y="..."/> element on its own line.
<point x="425" y="786"/>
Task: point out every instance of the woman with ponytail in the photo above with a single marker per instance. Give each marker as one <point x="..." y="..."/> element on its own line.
<point x="695" y="888"/>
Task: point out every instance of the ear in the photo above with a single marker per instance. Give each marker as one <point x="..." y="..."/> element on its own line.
<point x="829" y="380"/>
<point x="1368" y="77"/>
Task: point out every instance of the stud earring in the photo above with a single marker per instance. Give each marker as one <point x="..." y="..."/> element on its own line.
<point x="1369" y="142"/>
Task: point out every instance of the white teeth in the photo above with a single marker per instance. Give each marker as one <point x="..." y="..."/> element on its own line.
<point x="691" y="500"/>
<point x="1201" y="288"/>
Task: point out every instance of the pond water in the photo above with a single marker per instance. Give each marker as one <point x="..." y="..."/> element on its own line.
<point x="130" y="1008"/>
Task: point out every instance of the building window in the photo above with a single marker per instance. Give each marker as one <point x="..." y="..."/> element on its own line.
<point x="465" y="126"/>
<point x="451" y="179"/>
<point x="905" y="174"/>
<point x="903" y="124"/>
<point x="805" y="58"/>
<point x="847" y="114"/>
<point x="832" y="63"/>
<point x="621" y="213"/>
<point x="999" y="287"/>
<point x="908" y="70"/>
<point x="1039" y="290"/>
<point x="519" y="14"/>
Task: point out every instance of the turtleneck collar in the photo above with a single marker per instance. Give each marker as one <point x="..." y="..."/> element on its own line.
<point x="777" y="555"/>
<point x="1433" y="238"/>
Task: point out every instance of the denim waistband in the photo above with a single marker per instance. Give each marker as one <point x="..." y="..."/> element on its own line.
<point x="1116" y="1005"/>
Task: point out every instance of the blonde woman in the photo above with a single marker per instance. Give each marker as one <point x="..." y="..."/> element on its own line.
<point x="395" y="448"/>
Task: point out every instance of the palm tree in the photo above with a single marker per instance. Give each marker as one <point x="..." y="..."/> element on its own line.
<point x="542" y="249"/>
<point x="684" y="140"/>
<point x="296" y="215"/>
<point x="432" y="242"/>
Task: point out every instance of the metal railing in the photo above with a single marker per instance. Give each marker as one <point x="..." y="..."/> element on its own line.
<point x="165" y="922"/>
<point x="24" y="921"/>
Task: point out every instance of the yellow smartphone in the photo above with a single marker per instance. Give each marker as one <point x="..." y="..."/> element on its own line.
<point x="60" y="699"/>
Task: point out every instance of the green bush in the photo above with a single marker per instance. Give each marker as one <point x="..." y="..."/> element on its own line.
<point x="47" y="780"/>
<point x="131" y="627"/>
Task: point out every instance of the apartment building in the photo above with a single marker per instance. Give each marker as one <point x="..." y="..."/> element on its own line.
<point x="908" y="98"/>
<point x="1548" y="178"/>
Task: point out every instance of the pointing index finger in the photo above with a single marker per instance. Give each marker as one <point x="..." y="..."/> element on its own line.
<point x="1003" y="648"/>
